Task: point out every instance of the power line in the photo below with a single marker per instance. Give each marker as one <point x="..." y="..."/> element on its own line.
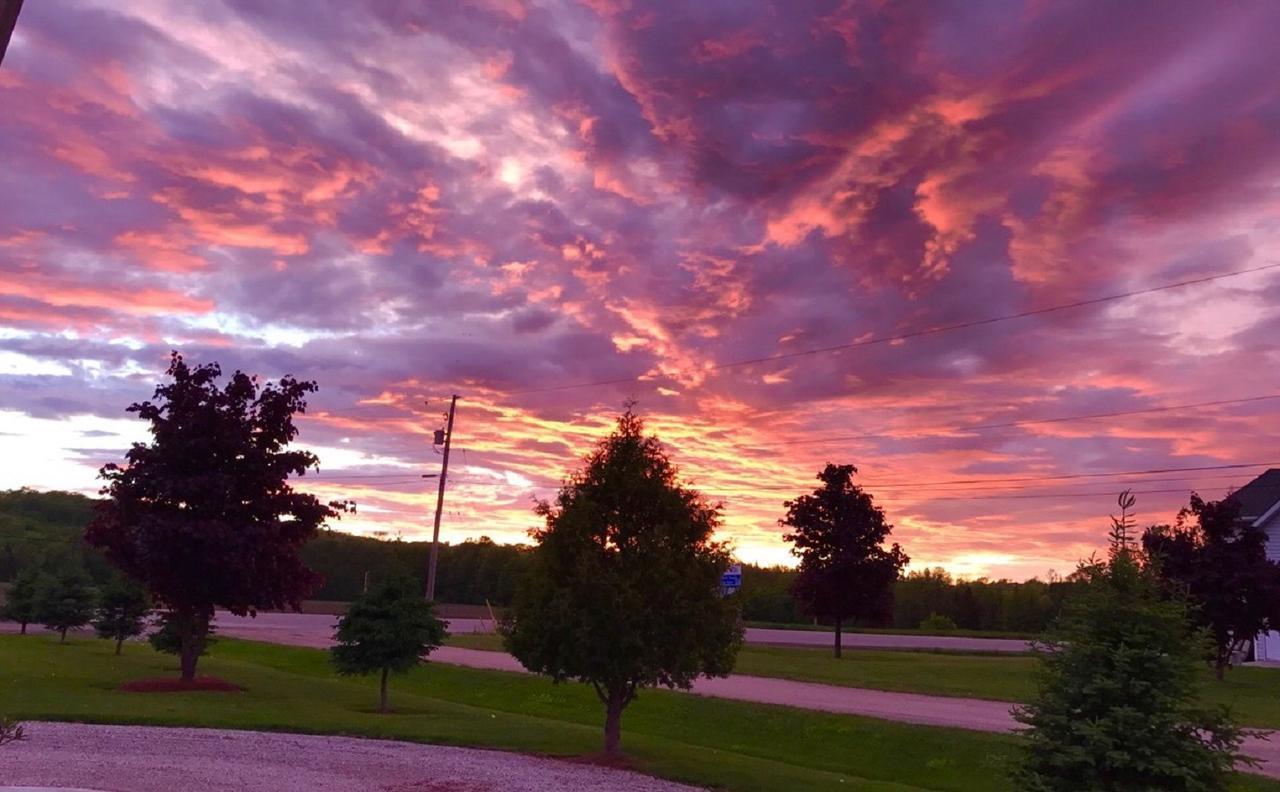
<point x="873" y="485"/>
<point x="1034" y="421"/>
<point x="1032" y="486"/>
<point x="887" y="339"/>
<point x="1057" y="495"/>
<point x="1063" y="477"/>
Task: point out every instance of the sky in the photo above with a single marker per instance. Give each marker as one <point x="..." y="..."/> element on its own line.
<point x="500" y="199"/>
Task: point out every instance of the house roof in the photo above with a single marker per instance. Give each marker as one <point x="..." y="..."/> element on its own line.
<point x="1258" y="496"/>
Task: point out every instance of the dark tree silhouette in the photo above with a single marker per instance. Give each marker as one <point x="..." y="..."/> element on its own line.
<point x="204" y="516"/>
<point x="65" y="601"/>
<point x="1220" y="563"/>
<point x="623" y="586"/>
<point x="9" y="10"/>
<point x="387" y="631"/>
<point x="122" y="611"/>
<point x="20" y="600"/>
<point x="839" y="533"/>
<point x="1117" y="702"/>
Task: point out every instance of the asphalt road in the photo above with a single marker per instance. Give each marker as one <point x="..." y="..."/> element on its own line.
<point x="317" y="626"/>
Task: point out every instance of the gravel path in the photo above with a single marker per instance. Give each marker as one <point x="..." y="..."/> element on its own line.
<point x="152" y="759"/>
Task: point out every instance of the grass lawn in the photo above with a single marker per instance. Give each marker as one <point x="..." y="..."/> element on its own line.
<point x="725" y="744"/>
<point x="1252" y="694"/>
<point x="957" y="633"/>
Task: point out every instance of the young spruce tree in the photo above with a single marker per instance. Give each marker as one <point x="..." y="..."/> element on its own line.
<point x="623" y="587"/>
<point x="389" y="630"/>
<point x="1117" y="708"/>
<point x="65" y="601"/>
<point x="122" y="612"/>
<point x="21" y="599"/>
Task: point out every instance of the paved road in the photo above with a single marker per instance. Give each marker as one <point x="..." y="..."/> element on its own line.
<point x="760" y="635"/>
<point x="300" y="625"/>
<point x="151" y="759"/>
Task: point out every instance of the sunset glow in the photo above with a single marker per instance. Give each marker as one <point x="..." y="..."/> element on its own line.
<point x="403" y="201"/>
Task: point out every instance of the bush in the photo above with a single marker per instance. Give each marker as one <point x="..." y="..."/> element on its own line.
<point x="937" y="623"/>
<point x="165" y="637"/>
<point x="10" y="731"/>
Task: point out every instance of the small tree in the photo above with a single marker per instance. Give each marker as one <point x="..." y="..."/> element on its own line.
<point x="21" y="599"/>
<point x="1220" y="563"/>
<point x="387" y="630"/>
<point x="122" y="612"/>
<point x="204" y="515"/>
<point x="1117" y="702"/>
<point x="839" y="534"/>
<point x="622" y="589"/>
<point x="65" y="601"/>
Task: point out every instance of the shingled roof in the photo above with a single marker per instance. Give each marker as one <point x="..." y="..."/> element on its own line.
<point x="1258" y="496"/>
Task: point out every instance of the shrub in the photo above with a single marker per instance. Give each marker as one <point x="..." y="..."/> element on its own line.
<point x="937" y="623"/>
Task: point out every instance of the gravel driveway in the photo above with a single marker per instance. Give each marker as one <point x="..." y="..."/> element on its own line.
<point x="151" y="759"/>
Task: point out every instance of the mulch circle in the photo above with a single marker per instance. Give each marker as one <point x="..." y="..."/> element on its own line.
<point x="209" y="684"/>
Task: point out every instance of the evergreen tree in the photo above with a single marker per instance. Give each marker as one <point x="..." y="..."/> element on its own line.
<point x="386" y="631"/>
<point x="122" y="612"/>
<point x="21" y="599"/>
<point x="64" y="601"/>
<point x="623" y="586"/>
<point x="1116" y="709"/>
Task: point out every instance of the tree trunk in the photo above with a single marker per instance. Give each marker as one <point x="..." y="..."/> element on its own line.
<point x="382" y="700"/>
<point x="838" y="625"/>
<point x="192" y="630"/>
<point x="23" y="631"/>
<point x="1220" y="667"/>
<point x="119" y="645"/>
<point x="613" y="722"/>
<point x="63" y="633"/>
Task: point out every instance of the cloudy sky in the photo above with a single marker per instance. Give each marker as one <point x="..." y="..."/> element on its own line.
<point x="403" y="200"/>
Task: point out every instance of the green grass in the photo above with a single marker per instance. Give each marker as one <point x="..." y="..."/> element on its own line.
<point x="1252" y="694"/>
<point x="724" y="744"/>
<point x="956" y="633"/>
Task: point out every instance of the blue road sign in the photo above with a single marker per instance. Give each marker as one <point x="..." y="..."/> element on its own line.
<point x="731" y="580"/>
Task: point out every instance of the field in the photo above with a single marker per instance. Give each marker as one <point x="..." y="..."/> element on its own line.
<point x="725" y="744"/>
<point x="1252" y="694"/>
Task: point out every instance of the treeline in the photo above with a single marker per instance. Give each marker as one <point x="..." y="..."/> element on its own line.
<point x="470" y="573"/>
<point x="43" y="530"/>
<point x="986" y="605"/>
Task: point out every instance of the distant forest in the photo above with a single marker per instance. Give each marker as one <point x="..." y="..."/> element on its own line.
<point x="43" y="529"/>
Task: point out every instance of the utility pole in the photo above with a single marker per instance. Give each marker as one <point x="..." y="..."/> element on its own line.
<point x="435" y="534"/>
